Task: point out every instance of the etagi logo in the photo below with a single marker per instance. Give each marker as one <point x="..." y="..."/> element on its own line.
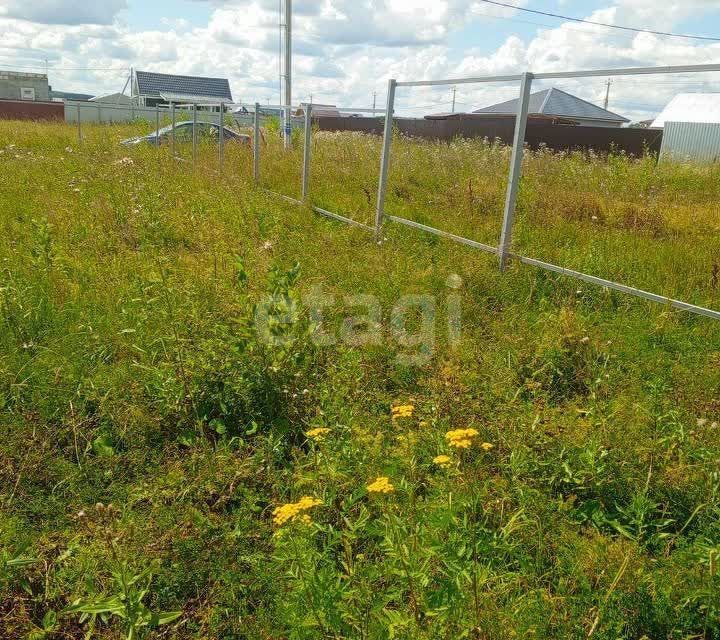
<point x="412" y="323"/>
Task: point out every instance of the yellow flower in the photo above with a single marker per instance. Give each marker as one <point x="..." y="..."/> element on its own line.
<point x="486" y="446"/>
<point x="293" y="510"/>
<point x="461" y="438"/>
<point x="381" y="485"/>
<point x="443" y="461"/>
<point x="317" y="434"/>
<point x="403" y="411"/>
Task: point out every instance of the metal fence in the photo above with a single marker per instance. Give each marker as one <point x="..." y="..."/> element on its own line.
<point x="504" y="250"/>
<point x="88" y="112"/>
<point x="539" y="134"/>
<point x="84" y="113"/>
<point x="691" y="141"/>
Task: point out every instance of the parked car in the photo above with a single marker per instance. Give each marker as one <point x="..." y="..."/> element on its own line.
<point x="184" y="133"/>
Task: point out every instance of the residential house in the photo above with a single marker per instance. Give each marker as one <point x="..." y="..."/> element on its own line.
<point x="24" y="86"/>
<point x="319" y="110"/>
<point x="557" y="104"/>
<point x="150" y="89"/>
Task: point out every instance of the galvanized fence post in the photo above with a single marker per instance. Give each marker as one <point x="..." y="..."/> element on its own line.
<point x="307" y="153"/>
<point x="194" y="135"/>
<point x="385" y="160"/>
<point x="256" y="144"/>
<point x="515" y="170"/>
<point x="79" y="125"/>
<point x="172" y="133"/>
<point x="221" y="134"/>
<point x="157" y="120"/>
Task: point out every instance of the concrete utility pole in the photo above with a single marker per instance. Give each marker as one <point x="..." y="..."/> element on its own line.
<point x="374" y="101"/>
<point x="453" y="102"/>
<point x="607" y="93"/>
<point x="287" y="74"/>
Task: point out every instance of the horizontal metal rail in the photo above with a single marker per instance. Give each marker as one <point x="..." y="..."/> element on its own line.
<point x="630" y="71"/>
<point x="283" y="196"/>
<point x="609" y="284"/>
<point x="337" y="216"/>
<point x="350" y="110"/>
<point x="594" y="73"/>
<point x="429" y="83"/>
<point x="251" y="108"/>
<point x="443" y="234"/>
<point x="322" y="212"/>
<point x="677" y="304"/>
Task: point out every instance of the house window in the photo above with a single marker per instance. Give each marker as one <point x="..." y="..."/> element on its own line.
<point x="27" y="93"/>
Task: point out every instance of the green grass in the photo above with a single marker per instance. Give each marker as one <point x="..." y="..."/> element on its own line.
<point x="147" y="434"/>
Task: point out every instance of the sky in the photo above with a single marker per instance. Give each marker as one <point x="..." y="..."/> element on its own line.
<point x="346" y="50"/>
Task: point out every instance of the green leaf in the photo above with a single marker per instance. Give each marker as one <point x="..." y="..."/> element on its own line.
<point x="218" y="426"/>
<point x="49" y="621"/>
<point x="241" y="274"/>
<point x="22" y="561"/>
<point x="166" y="617"/>
<point x="187" y="438"/>
<point x="109" y="605"/>
<point x="103" y="446"/>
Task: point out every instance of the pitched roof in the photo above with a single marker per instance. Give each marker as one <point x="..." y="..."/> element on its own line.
<point x="153" y="84"/>
<point x="690" y="107"/>
<point x="555" y="102"/>
<point x="320" y="110"/>
<point x="66" y="95"/>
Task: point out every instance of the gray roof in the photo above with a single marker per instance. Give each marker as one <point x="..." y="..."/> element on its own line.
<point x="153" y="84"/>
<point x="554" y="102"/>
<point x="67" y="95"/>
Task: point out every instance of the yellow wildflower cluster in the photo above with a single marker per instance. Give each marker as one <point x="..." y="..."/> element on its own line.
<point x="403" y="411"/>
<point x="486" y="446"/>
<point x="317" y="434"/>
<point x="295" y="510"/>
<point x="381" y="485"/>
<point x="461" y="438"/>
<point x="443" y="461"/>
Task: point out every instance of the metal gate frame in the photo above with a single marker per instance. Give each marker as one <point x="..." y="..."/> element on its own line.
<point x="504" y="249"/>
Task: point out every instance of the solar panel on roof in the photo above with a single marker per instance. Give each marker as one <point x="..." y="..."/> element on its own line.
<point x="152" y="84"/>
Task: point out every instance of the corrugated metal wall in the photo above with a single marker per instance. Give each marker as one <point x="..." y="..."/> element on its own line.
<point x="693" y="141"/>
<point x="634" y="142"/>
<point x="29" y="110"/>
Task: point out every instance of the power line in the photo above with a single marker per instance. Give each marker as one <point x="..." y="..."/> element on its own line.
<point x="600" y="24"/>
<point x="617" y="36"/>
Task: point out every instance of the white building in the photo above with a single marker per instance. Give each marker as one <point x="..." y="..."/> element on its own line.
<point x="691" y="123"/>
<point x="150" y="89"/>
<point x="690" y="107"/>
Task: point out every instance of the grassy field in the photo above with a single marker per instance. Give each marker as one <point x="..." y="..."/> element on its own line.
<point x="166" y="471"/>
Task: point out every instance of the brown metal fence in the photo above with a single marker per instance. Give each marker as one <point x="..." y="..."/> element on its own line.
<point x="27" y="110"/>
<point x="557" y="137"/>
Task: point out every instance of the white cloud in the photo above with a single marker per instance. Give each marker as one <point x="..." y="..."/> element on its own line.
<point x="347" y="49"/>
<point x="67" y="12"/>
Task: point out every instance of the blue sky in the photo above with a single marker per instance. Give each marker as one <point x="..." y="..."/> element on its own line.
<point x="347" y="49"/>
<point x="147" y="16"/>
